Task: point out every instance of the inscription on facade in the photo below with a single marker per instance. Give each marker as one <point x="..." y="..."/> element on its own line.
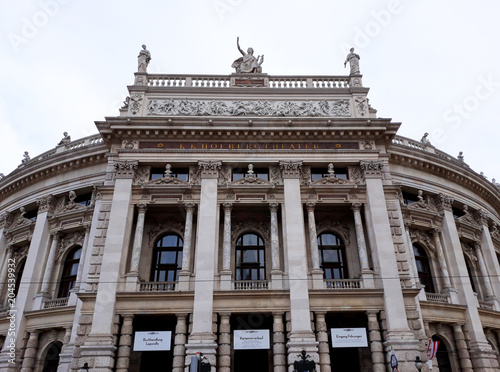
<point x="249" y="145"/>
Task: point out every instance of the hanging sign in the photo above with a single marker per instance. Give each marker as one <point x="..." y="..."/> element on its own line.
<point x="349" y="337"/>
<point x="152" y="341"/>
<point x="251" y="339"/>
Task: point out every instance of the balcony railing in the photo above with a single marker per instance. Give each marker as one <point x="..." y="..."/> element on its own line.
<point x="248" y="285"/>
<point x="343" y="283"/>
<point x="437" y="297"/>
<point x="58" y="302"/>
<point x="157" y="286"/>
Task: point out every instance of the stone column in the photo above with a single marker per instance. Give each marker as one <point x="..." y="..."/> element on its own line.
<point x="185" y="274"/>
<point x="276" y="272"/>
<point x="83" y="256"/>
<point x="316" y="272"/>
<point x="4" y="273"/>
<point x="125" y="344"/>
<point x="30" y="352"/>
<point x="442" y="261"/>
<point x="322" y="338"/>
<point x="302" y="336"/>
<point x="279" y="349"/>
<point x="376" y="347"/>
<point x="480" y="348"/>
<point x="99" y="347"/>
<point x="462" y="350"/>
<point x="179" y="343"/>
<point x="225" y="275"/>
<point x="489" y="254"/>
<point x="133" y="278"/>
<point x="32" y="275"/>
<point x="202" y="338"/>
<point x="50" y="264"/>
<point x="366" y="272"/>
<point x="489" y="296"/>
<point x="224" y="363"/>
<point x="380" y="234"/>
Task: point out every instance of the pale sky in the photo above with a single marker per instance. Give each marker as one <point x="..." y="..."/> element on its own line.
<point x="434" y="65"/>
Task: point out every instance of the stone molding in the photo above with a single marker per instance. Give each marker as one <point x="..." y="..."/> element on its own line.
<point x="371" y="169"/>
<point x="46" y="204"/>
<point x="176" y="227"/>
<point x="209" y="168"/>
<point x="125" y="169"/>
<point x="258" y="227"/>
<point x="69" y="241"/>
<point x="309" y="108"/>
<point x="337" y="227"/>
<point x="422" y="237"/>
<point x="291" y="169"/>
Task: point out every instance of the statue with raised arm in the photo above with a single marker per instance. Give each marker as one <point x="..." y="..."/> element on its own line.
<point x="353" y="60"/>
<point x="248" y="63"/>
<point x="143" y="59"/>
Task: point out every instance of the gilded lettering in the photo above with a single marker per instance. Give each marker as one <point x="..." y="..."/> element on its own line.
<point x="307" y="146"/>
<point x="292" y="146"/>
<point x="213" y="146"/>
<point x="316" y="147"/>
<point x="231" y="146"/>
<point x="204" y="146"/>
<point x="181" y="147"/>
<point x="193" y="146"/>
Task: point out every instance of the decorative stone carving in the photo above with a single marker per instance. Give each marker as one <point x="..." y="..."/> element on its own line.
<point x="225" y="175"/>
<point x="353" y="60"/>
<point x="3" y="219"/>
<point x="26" y="157"/>
<point x="331" y="178"/>
<point x="171" y="107"/>
<point x="194" y="175"/>
<point x="95" y="196"/>
<point x="251" y="225"/>
<point x="20" y="219"/>
<point x="361" y="105"/>
<point x="250" y="179"/>
<point x="371" y="169"/>
<point x="368" y="145"/>
<point x="129" y="144"/>
<point x="125" y="169"/>
<point x="494" y="231"/>
<point x="355" y="174"/>
<point x="136" y="105"/>
<point x="141" y="175"/>
<point x="65" y="140"/>
<point x="46" y="204"/>
<point x="20" y="253"/>
<point x="482" y="217"/>
<point x="127" y="100"/>
<point x="71" y="205"/>
<point x="425" y="141"/>
<point x="291" y="169"/>
<point x="443" y="202"/>
<point x="248" y="63"/>
<point x="421" y="203"/>
<point x="167" y="179"/>
<point x="143" y="59"/>
<point x="467" y="217"/>
<point x="209" y="168"/>
<point x="423" y="237"/>
<point x="337" y="227"/>
<point x="68" y="241"/>
<point x="171" y="226"/>
<point x="275" y="175"/>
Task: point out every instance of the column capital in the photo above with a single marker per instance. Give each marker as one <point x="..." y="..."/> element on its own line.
<point x="273" y="206"/>
<point x="46" y="204"/>
<point x="291" y="169"/>
<point x="3" y="219"/>
<point x="482" y="217"/>
<point x="55" y="234"/>
<point x="356" y="206"/>
<point x="142" y="207"/>
<point x="443" y="202"/>
<point x="189" y="206"/>
<point x="125" y="168"/>
<point x="227" y="206"/>
<point x="371" y="169"/>
<point x="209" y="168"/>
<point x="310" y="206"/>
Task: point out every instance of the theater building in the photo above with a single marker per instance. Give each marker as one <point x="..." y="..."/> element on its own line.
<point x="249" y="218"/>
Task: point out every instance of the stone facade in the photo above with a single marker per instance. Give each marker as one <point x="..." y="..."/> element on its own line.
<point x="212" y="205"/>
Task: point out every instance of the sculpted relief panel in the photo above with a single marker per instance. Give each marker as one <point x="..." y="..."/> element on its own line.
<point x="186" y="107"/>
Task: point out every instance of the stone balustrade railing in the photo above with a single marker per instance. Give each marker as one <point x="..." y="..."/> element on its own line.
<point x="343" y="283"/>
<point x="157" y="286"/>
<point x="437" y="297"/>
<point x="224" y="81"/>
<point x="251" y="284"/>
<point x="58" y="302"/>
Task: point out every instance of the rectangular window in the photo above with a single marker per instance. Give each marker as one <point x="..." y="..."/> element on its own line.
<point x="239" y="173"/>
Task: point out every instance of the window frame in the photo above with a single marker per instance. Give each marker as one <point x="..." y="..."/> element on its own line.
<point x="330" y="267"/>
<point x="157" y="267"/>
<point x="257" y="267"/>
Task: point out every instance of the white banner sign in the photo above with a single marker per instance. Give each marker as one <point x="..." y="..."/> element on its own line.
<point x="251" y="339"/>
<point x="152" y="341"/>
<point x="349" y="337"/>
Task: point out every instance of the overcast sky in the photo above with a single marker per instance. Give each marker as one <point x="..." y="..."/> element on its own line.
<point x="434" y="65"/>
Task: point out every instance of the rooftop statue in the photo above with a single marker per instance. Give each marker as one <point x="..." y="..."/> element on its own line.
<point x="143" y="59"/>
<point x="353" y="60"/>
<point x="248" y="63"/>
<point x="65" y="140"/>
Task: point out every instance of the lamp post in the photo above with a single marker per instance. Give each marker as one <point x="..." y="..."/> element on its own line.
<point x="418" y="363"/>
<point x="85" y="367"/>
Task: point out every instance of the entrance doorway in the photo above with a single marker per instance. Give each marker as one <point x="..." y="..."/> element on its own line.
<point x="51" y="361"/>
<point x="442" y="356"/>
<point x="147" y="361"/>
<point x="252" y="360"/>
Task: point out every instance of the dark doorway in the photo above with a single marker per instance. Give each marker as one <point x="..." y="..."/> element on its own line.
<point x="352" y="359"/>
<point x="147" y="361"/>
<point x="252" y="360"/>
<point x="51" y="361"/>
<point x="442" y="356"/>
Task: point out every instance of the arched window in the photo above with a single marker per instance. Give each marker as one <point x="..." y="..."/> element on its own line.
<point x="423" y="268"/>
<point x="51" y="361"/>
<point x="442" y="355"/>
<point x="167" y="258"/>
<point x="332" y="256"/>
<point x="70" y="269"/>
<point x="250" y="258"/>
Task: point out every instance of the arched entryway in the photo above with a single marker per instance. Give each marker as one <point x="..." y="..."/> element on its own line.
<point x="51" y="359"/>
<point x="442" y="355"/>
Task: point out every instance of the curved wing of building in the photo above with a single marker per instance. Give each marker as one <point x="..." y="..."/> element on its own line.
<point x="270" y="223"/>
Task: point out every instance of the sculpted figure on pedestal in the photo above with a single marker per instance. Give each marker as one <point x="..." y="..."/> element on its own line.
<point x="353" y="60"/>
<point x="143" y="59"/>
<point x="248" y="63"/>
<point x="66" y="139"/>
<point x="26" y="156"/>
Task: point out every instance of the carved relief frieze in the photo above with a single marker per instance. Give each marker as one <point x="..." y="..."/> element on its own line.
<point x="194" y="175"/>
<point x="419" y="236"/>
<point x="361" y="105"/>
<point x="165" y="227"/>
<point x="275" y="175"/>
<point x="260" y="227"/>
<point x="135" y="103"/>
<point x="335" y="226"/>
<point x="225" y="175"/>
<point x="173" y="107"/>
<point x="142" y="175"/>
<point x="355" y="174"/>
<point x="68" y="241"/>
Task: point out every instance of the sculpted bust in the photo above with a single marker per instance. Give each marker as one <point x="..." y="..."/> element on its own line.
<point x="248" y="63"/>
